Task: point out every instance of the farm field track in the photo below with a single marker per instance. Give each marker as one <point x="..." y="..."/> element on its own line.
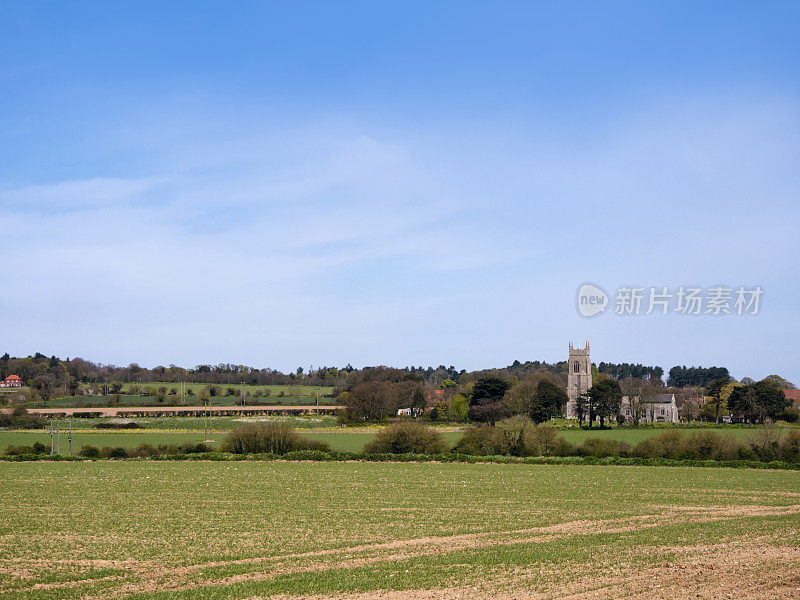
<point x="396" y="530"/>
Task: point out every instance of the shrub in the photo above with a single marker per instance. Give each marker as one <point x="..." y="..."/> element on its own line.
<point x="179" y="449"/>
<point x="766" y="443"/>
<point x="669" y="444"/>
<point x="194" y="448"/>
<point x="19" y="450"/>
<point x="541" y="440"/>
<point x="145" y="451"/>
<point x="115" y="425"/>
<point x="117" y="452"/>
<point x="709" y="445"/>
<point x="790" y="446"/>
<point x="407" y="438"/>
<point x="90" y="452"/>
<point x="563" y="447"/>
<point x="484" y="440"/>
<point x="515" y="430"/>
<point x="20" y="418"/>
<point x="601" y="448"/>
<point x="268" y="438"/>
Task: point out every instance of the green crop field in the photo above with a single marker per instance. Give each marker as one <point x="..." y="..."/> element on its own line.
<point x="176" y="430"/>
<point x="136" y="529"/>
<point x="277" y="394"/>
<point x="348" y="441"/>
<point x="308" y="391"/>
<point x="125" y="439"/>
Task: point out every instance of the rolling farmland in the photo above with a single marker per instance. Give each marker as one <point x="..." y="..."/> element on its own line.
<point x="253" y="530"/>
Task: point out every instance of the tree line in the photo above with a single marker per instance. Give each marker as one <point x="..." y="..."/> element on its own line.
<point x="697" y="376"/>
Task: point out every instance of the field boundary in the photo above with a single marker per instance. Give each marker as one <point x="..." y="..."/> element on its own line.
<point x="321" y="456"/>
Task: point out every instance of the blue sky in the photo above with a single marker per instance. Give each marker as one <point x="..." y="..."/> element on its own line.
<point x="286" y="184"/>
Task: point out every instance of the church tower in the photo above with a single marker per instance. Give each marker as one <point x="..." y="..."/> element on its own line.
<point x="579" y="378"/>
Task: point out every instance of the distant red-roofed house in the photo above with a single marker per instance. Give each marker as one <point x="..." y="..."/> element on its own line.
<point x="433" y="398"/>
<point x="11" y="381"/>
<point x="794" y="396"/>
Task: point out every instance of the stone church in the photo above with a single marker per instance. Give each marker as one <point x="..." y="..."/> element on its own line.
<point x="660" y="408"/>
<point x="579" y="377"/>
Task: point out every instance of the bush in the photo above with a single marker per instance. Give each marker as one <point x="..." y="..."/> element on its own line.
<point x="601" y="448"/>
<point x="669" y="444"/>
<point x="145" y="451"/>
<point x="790" y="446"/>
<point x="117" y="452"/>
<point x="20" y="418"/>
<point x="766" y="444"/>
<point x="484" y="440"/>
<point x="19" y="450"/>
<point x="564" y="448"/>
<point x="90" y="452"/>
<point x="269" y="438"/>
<point x="709" y="445"/>
<point x="178" y="449"/>
<point x="407" y="438"/>
<point x="541" y="440"/>
<point x="114" y="425"/>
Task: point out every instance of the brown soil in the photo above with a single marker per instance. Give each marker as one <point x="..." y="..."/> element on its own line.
<point x="755" y="569"/>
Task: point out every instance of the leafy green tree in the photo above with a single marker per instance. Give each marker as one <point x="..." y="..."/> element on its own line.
<point x="204" y="395"/>
<point x="486" y="404"/>
<point x="519" y="398"/>
<point x="370" y="401"/>
<point x="548" y="401"/>
<point x="439" y="411"/>
<point x="699" y="376"/>
<point x="605" y="397"/>
<point x="44" y="385"/>
<point x="779" y="381"/>
<point x="582" y="408"/>
<point x="458" y="410"/>
<point x="715" y="390"/>
<point x="758" y="401"/>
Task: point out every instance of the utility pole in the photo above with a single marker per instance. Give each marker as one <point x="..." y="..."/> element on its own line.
<point x="205" y="420"/>
<point x="69" y="437"/>
<point x="52" y="448"/>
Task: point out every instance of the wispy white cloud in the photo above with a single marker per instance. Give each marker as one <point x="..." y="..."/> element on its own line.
<point x="355" y="244"/>
<point x="79" y="194"/>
